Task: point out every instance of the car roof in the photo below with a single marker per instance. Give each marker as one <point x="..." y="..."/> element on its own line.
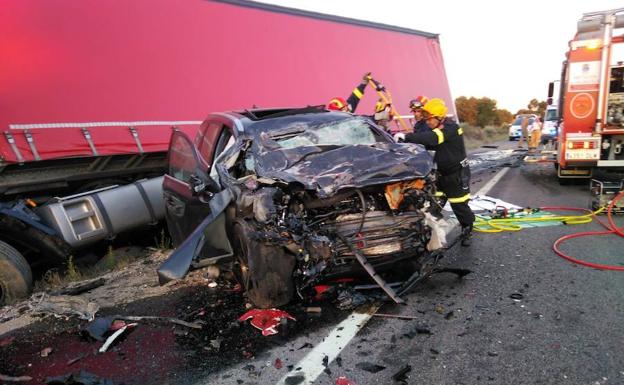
<point x="264" y="120"/>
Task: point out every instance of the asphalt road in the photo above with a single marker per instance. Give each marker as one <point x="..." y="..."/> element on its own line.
<point x="565" y="325"/>
<point x="523" y="316"/>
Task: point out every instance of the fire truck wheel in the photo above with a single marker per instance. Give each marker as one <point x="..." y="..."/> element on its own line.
<point x="15" y="275"/>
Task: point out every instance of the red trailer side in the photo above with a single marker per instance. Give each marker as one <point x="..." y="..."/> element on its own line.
<point x="92" y="61"/>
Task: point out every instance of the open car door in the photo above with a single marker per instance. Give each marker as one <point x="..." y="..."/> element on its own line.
<point x="194" y="210"/>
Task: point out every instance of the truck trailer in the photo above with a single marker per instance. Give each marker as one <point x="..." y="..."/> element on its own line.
<point x="92" y="92"/>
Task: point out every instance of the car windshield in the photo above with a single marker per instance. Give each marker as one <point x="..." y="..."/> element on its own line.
<point x="344" y="132"/>
<point x="551" y="115"/>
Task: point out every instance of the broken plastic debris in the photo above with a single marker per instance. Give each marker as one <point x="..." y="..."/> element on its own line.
<point x="342" y="380"/>
<point x="114" y="336"/>
<point x="46" y="352"/>
<point x="516" y="296"/>
<point x="266" y="319"/>
<point x="369" y="367"/>
<point x="401" y="375"/>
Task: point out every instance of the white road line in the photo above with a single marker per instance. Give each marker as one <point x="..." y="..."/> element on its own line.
<point x="490" y="184"/>
<point x="312" y="364"/>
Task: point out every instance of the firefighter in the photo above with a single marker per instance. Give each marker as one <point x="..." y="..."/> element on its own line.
<point x="446" y="138"/>
<point x="416" y="105"/>
<point x="349" y="105"/>
<point x="383" y="115"/>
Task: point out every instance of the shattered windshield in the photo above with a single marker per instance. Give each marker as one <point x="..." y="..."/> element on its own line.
<point x="337" y="133"/>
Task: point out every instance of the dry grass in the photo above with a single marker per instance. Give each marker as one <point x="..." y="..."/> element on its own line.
<point x="476" y="136"/>
<point x="113" y="260"/>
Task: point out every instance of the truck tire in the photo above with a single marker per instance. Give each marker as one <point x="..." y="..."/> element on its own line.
<point x="15" y="275"/>
<point x="264" y="270"/>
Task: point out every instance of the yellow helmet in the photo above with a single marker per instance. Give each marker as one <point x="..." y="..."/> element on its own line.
<point x="436" y="107"/>
<point x="380" y="105"/>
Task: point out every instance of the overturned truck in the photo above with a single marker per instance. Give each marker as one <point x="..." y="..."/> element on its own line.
<point x="291" y="198"/>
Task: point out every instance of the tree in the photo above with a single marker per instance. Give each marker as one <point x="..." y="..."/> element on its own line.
<point x="486" y="111"/>
<point x="480" y="111"/>
<point x="503" y="117"/>
<point x="466" y="110"/>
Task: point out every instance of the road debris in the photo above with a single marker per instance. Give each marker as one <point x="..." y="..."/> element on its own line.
<point x="401" y="375"/>
<point x="277" y="364"/>
<point x="77" y="288"/>
<point x="114" y="336"/>
<point x="295" y="380"/>
<point x="266" y="320"/>
<point x="14" y="379"/>
<point x="306" y="345"/>
<point x="418" y="329"/>
<point x="516" y="296"/>
<point x="45" y="352"/>
<point x="449" y="315"/>
<point x="397" y="316"/>
<point x="313" y="309"/>
<point x="81" y="378"/>
<point x="63" y="305"/>
<point x="78" y="358"/>
<point x="342" y="380"/>
<point x="369" y="367"/>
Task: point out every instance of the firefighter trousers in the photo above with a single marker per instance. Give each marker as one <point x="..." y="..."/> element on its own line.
<point x="456" y="187"/>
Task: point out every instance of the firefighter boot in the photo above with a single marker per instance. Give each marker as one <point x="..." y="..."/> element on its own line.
<point x="466" y="236"/>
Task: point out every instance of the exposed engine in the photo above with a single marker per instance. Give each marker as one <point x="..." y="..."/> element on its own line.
<point x="384" y="223"/>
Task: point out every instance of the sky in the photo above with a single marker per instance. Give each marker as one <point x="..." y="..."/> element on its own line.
<point x="505" y="50"/>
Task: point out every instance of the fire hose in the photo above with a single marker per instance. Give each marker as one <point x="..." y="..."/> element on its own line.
<point x="498" y="225"/>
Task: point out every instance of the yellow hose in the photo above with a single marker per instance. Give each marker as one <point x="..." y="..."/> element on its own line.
<point x="483" y="225"/>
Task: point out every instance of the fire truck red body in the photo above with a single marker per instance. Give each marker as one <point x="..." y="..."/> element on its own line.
<point x="592" y="97"/>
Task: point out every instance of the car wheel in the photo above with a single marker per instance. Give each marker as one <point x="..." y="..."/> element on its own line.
<point x="15" y="275"/>
<point x="264" y="270"/>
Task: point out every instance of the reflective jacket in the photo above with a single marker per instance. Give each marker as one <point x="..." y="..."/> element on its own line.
<point x="421" y="126"/>
<point x="448" y="143"/>
<point x="356" y="95"/>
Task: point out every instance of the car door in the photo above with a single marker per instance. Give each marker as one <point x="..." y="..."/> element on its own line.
<point x="194" y="204"/>
<point x="184" y="208"/>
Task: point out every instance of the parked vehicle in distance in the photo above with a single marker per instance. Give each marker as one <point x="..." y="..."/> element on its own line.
<point x="550" y="126"/>
<point x="515" y="130"/>
<point x="291" y="198"/>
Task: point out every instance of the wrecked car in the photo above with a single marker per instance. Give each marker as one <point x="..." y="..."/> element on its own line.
<point x="292" y="198"/>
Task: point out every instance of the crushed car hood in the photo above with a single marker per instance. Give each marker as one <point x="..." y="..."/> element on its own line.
<point x="332" y="168"/>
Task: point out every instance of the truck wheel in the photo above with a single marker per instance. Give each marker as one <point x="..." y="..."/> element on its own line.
<point x="15" y="275"/>
<point x="264" y="270"/>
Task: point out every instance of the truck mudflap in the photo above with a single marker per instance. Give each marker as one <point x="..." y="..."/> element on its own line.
<point x="210" y="236"/>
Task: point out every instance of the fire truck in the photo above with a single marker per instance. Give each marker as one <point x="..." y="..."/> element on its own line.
<point x="591" y="98"/>
<point x="92" y="91"/>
